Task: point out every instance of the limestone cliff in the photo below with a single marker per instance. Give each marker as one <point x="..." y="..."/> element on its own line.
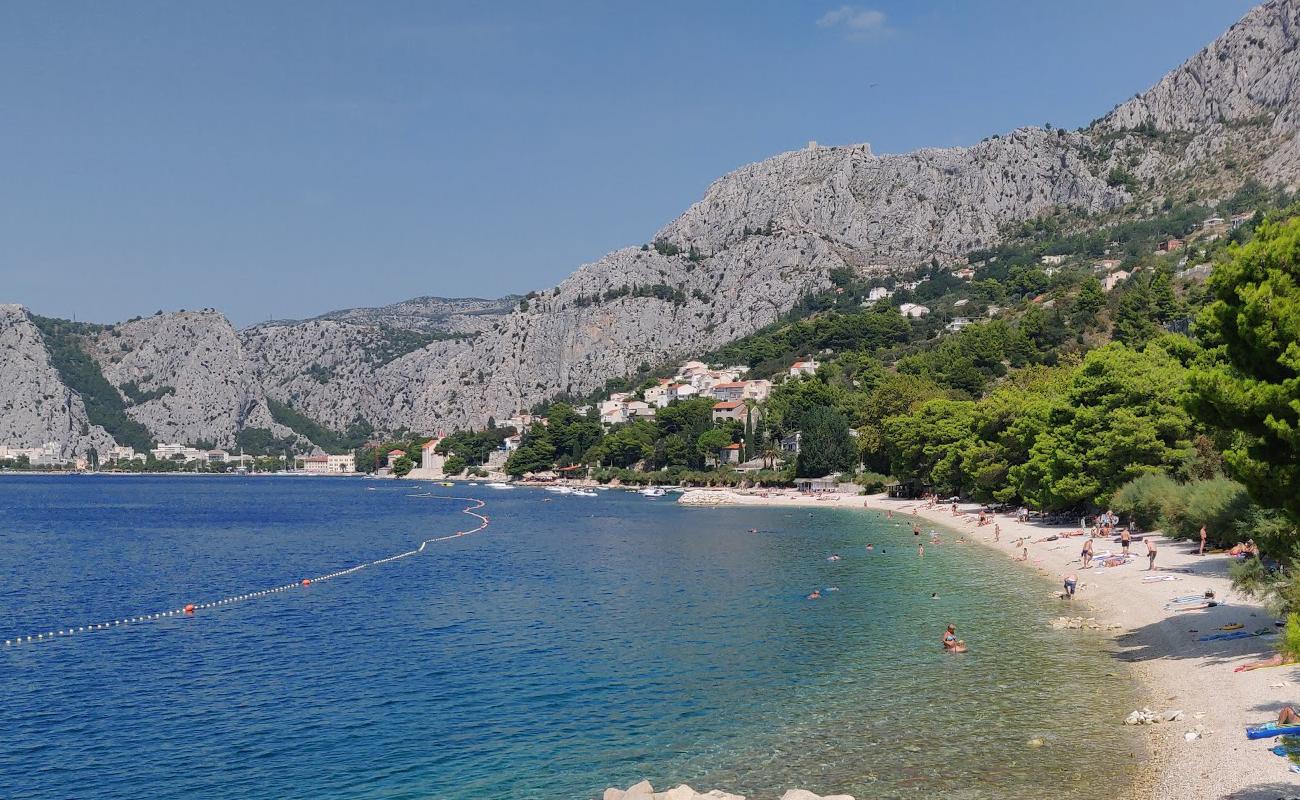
<point x="185" y="377"/>
<point x="36" y="406"/>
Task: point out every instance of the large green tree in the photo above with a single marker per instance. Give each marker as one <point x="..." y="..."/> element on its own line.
<point x="825" y="446"/>
<point x="1253" y="327"/>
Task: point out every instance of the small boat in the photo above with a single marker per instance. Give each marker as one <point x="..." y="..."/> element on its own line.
<point x="446" y="483"/>
<point x="584" y="493"/>
<point x="499" y="485"/>
<point x="653" y="491"/>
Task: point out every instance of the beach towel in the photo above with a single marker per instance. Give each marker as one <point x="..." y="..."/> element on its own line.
<point x="1219" y="637"/>
<point x="1158" y="578"/>
<point x="1270" y="729"/>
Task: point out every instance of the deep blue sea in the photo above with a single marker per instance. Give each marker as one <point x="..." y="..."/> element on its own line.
<point x="574" y="644"/>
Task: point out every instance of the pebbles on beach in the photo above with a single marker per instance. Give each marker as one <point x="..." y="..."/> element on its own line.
<point x="644" y="791"/>
<point x="1082" y="623"/>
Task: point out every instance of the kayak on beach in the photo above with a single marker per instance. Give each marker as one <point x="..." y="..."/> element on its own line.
<point x="1270" y="729"/>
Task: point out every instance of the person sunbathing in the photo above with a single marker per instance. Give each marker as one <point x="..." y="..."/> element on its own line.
<point x="1288" y="716"/>
<point x="1276" y="660"/>
<point x="1243" y="549"/>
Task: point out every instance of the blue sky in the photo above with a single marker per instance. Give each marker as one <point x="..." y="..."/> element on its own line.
<point x="281" y="159"/>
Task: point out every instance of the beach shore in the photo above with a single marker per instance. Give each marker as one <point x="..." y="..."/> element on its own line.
<point x="1174" y="670"/>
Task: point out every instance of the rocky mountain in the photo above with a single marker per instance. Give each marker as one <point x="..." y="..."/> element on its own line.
<point x="762" y="237"/>
<point x="455" y="315"/>
<point x="36" y="405"/>
<point x="185" y="377"/>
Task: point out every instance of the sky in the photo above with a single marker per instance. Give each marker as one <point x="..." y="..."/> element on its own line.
<point x="283" y="159"/>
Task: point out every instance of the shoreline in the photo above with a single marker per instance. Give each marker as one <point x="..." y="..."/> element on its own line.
<point x="1174" y="670"/>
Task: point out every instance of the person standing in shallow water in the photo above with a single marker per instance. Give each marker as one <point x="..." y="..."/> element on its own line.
<point x="920" y="550"/>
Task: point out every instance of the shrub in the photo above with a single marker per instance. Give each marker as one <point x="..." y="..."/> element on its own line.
<point x="454" y="465"/>
<point x="872" y="482"/>
<point x="1145" y="498"/>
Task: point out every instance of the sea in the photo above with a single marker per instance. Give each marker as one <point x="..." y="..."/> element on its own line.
<point x="575" y="643"/>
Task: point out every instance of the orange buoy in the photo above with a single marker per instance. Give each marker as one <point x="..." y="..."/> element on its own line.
<point x="306" y="581"/>
<point x="189" y="609"/>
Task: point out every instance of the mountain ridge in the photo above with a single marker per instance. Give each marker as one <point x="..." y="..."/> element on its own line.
<point x="761" y="237"/>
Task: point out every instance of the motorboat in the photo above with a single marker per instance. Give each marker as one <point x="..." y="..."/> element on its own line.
<point x="653" y="491"/>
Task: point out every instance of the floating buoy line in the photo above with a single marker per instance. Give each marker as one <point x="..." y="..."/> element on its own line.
<point x="190" y="609"/>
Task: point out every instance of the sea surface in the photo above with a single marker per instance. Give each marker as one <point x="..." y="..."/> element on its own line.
<point x="576" y="643"/>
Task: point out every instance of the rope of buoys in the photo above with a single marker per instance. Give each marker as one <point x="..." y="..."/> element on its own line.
<point x="190" y="609"/>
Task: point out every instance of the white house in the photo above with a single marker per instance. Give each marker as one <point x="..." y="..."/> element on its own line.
<point x="965" y="274"/>
<point x="682" y="391"/>
<point x="808" y="367"/>
<point x="957" y="324"/>
<point x="877" y="294"/>
<point x="729" y="391"/>
<point x="1106" y="265"/>
<point x="1053" y="261"/>
<point x="913" y="311"/>
<point x="658" y="396"/>
<point x="347" y="463"/>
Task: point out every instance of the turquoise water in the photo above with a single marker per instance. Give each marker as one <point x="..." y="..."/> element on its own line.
<point x="575" y="644"/>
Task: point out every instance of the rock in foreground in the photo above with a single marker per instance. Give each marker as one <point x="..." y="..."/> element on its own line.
<point x="644" y="791"/>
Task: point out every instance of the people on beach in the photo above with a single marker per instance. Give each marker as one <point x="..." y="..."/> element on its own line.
<point x="1087" y="553"/>
<point x="890" y="513"/>
<point x="954" y="508"/>
<point x="1204" y="535"/>
<point x="1022" y="515"/>
<point x="1276" y="660"/>
<point x="1243" y="549"/>
<point x="1288" y="716"/>
<point x="950" y="641"/>
<point x="1125" y="539"/>
<point x="1071" y="581"/>
<point x="997" y="531"/>
<point x="1024" y="555"/>
<point x="1151" y="553"/>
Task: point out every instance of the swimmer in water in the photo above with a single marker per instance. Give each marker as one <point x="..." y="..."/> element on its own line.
<point x="834" y="557"/>
<point x="753" y="530"/>
<point x="870" y="547"/>
<point x="816" y="594"/>
<point x="934" y="595"/>
<point x="920" y="550"/>
<point x="950" y="641"/>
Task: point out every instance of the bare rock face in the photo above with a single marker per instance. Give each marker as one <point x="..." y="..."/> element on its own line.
<point x="1240" y="95"/>
<point x="36" y="407"/>
<point x="185" y="376"/>
<point x="426" y="314"/>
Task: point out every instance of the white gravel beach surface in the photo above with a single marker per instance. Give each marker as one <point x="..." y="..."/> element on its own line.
<point x="1204" y="752"/>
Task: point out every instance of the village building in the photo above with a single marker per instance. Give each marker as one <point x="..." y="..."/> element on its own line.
<point x="808" y="367"/>
<point x="1114" y="279"/>
<point x="733" y="409"/>
<point x="913" y="311"/>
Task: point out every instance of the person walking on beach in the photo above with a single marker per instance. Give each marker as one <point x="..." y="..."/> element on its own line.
<point x="1204" y="536"/>
<point x="1087" y="553"/>
<point x="1125" y="539"/>
<point x="997" y="531"/>
<point x="1151" y="553"/>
